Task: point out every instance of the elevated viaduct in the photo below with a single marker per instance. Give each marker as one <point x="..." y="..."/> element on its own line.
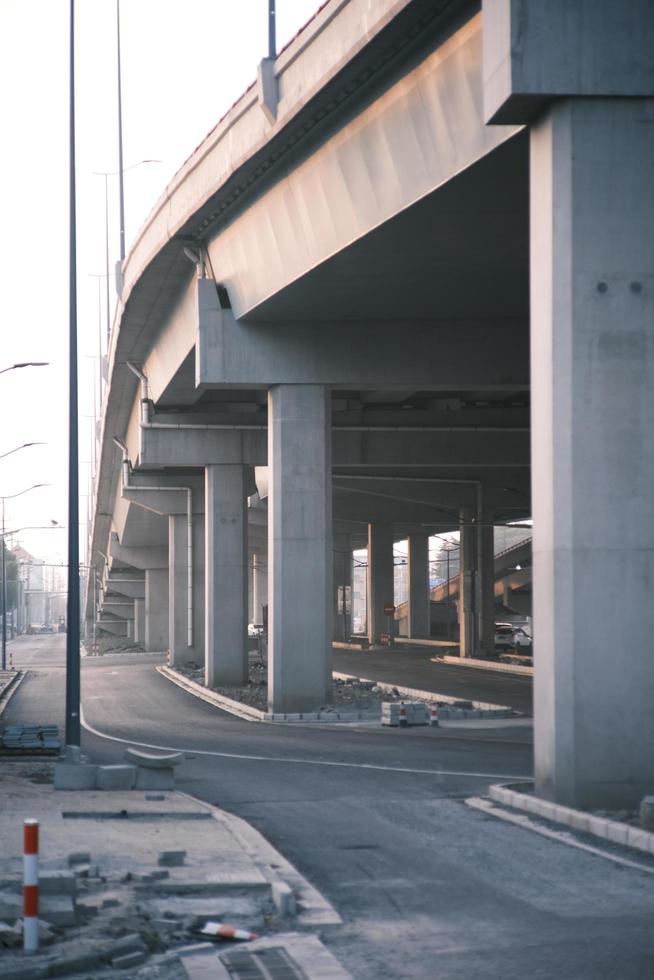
<point x="404" y="286"/>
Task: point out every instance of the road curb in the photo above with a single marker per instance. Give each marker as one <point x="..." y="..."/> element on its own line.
<point x="313" y="909"/>
<point x="11" y="688"/>
<point x="517" y="796"/>
<point x="479" y="709"/>
<point x="484" y="665"/>
<point x="212" y="697"/>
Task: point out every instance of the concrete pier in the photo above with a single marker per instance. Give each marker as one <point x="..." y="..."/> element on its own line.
<point x="419" y="623"/>
<point x="226" y="583"/>
<point x="592" y="212"/>
<point x="380" y="583"/>
<point x="299" y="547"/>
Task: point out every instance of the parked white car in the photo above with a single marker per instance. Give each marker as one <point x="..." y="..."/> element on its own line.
<point x="508" y="636"/>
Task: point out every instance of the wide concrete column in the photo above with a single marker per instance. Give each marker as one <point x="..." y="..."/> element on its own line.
<point x="260" y="585"/>
<point x="380" y="579"/>
<point x="226" y="575"/>
<point x="342" y="557"/>
<point x="467" y="586"/>
<point x="156" y="609"/>
<point x="184" y="648"/>
<point x="139" y="620"/>
<point x="486" y="585"/>
<point x="592" y="320"/>
<point x="419" y="604"/>
<point x="299" y="547"/>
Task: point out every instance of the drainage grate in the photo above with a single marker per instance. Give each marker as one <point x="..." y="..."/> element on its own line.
<point x="273" y="963"/>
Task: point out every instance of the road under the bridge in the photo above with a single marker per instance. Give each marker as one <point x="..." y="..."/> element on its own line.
<point x="377" y="821"/>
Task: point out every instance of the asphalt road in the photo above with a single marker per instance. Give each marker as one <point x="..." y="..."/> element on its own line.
<point x="376" y="819"/>
<point x="413" y="667"/>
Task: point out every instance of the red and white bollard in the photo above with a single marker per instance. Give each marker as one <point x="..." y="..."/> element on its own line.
<point x="31" y="886"/>
<point x="403" y="722"/>
<point x="433" y="716"/>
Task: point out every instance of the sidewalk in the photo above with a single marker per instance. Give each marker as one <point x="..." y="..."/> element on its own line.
<point x="128" y="878"/>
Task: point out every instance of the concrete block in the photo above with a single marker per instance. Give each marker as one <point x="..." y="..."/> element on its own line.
<point x="647" y="813"/>
<point x="130" y="943"/>
<point x="75" y="962"/>
<point x="79" y="857"/>
<point x="155" y="778"/>
<point x="128" y="960"/>
<point x="640" y="839"/>
<point x="10" y="936"/>
<point x="617" y="832"/>
<point x="116" y="777"/>
<point x="150" y="761"/>
<point x="46" y="936"/>
<point x="580" y="821"/>
<point x="69" y="775"/>
<point x="57" y="883"/>
<point x="284" y="899"/>
<point x="26" y="971"/>
<point x="171" y="859"/>
<point x="57" y="910"/>
<point x="598" y="826"/>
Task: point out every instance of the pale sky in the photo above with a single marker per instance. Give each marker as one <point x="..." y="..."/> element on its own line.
<point x="184" y="62"/>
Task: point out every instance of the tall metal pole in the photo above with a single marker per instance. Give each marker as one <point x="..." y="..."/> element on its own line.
<point x="106" y="259"/>
<point x="4" y="593"/>
<point x="73" y="605"/>
<point x="120" y="141"/>
<point x="99" y="404"/>
<point x="272" y="33"/>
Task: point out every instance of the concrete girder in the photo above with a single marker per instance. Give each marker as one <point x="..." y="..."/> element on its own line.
<point x="358" y="354"/>
<point x="123" y="610"/>
<point x="132" y="588"/>
<point x="166" y="445"/>
<point x="380" y="162"/>
<point x="117" y="627"/>
<point x="142" y="557"/>
<point x="145" y="491"/>
<point x="588" y="48"/>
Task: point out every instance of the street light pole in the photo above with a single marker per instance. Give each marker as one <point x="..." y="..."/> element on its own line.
<point x="272" y="40"/>
<point x="73" y="740"/>
<point x="120" y="140"/>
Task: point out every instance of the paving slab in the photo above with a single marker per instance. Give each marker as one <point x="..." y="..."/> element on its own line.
<point x="99" y="858"/>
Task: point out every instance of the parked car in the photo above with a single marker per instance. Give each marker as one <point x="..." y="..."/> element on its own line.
<point x="255" y="629"/>
<point x="508" y="636"/>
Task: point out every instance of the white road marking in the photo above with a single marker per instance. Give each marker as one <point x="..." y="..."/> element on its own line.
<point x="560" y="836"/>
<point x="294" y="761"/>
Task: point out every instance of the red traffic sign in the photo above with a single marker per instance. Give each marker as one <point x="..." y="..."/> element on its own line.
<point x="389" y="609"/>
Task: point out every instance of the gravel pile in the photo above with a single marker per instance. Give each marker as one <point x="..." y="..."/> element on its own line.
<point x="351" y="694"/>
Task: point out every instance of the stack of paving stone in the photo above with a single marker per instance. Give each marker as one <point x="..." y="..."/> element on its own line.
<point x="30" y="738"/>
<point x="415" y="712"/>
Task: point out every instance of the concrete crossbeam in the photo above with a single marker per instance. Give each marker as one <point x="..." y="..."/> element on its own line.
<point x="181" y="445"/>
<point x="364" y="354"/>
<point x="534" y="52"/>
